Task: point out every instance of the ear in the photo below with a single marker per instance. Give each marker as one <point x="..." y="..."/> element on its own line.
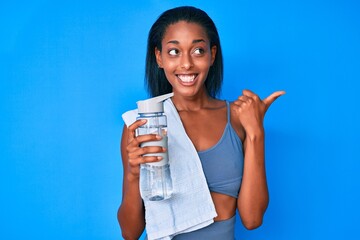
<point x="213" y="54"/>
<point x="158" y="57"/>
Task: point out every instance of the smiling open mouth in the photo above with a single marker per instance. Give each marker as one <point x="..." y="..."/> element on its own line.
<point x="187" y="78"/>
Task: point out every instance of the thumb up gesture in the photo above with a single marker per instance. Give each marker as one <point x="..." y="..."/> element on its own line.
<point x="250" y="110"/>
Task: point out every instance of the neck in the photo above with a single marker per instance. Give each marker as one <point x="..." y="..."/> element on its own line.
<point x="192" y="103"/>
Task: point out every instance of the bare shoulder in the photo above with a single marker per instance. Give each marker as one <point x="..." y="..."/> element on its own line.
<point x="235" y="122"/>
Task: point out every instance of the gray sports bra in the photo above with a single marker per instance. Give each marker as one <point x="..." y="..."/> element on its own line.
<point x="223" y="163"/>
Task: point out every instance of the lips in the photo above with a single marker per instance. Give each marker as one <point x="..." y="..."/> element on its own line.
<point x="187" y="78"/>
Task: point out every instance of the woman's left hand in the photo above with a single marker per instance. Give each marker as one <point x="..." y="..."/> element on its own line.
<point x="250" y="110"/>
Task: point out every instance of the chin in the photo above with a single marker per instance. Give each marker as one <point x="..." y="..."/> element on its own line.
<point x="187" y="92"/>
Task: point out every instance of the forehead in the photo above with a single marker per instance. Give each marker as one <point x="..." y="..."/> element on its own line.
<point x="185" y="30"/>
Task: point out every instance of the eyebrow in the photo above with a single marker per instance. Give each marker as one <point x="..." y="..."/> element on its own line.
<point x="194" y="41"/>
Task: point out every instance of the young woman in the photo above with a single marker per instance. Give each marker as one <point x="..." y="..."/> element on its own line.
<point x="184" y="57"/>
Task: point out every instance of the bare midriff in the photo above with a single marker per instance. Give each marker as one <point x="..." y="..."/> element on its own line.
<point x="225" y="206"/>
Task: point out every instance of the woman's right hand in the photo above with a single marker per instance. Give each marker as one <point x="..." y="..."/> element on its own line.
<point x="135" y="153"/>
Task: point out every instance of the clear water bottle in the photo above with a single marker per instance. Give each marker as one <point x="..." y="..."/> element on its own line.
<point x="155" y="178"/>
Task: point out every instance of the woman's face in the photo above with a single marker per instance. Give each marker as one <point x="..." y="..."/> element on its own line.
<point x="186" y="57"/>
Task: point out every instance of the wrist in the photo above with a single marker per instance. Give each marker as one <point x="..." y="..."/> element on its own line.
<point x="255" y="135"/>
<point x="131" y="178"/>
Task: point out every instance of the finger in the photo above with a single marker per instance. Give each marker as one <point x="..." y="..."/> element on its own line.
<point x="248" y="93"/>
<point x="241" y="101"/>
<point x="237" y="104"/>
<point x="135" y="143"/>
<point x="136" y="124"/>
<point x="132" y="128"/>
<point x="251" y="95"/>
<point x="146" y="150"/>
<point x="135" y="162"/>
<point x="147" y="138"/>
<point x="271" y="98"/>
<point x="146" y="154"/>
<point x="151" y="159"/>
<point x="243" y="98"/>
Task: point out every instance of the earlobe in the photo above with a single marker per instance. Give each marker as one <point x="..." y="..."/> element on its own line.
<point x="213" y="54"/>
<point x="158" y="57"/>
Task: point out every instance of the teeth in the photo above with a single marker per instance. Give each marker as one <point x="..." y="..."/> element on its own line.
<point x="187" y="78"/>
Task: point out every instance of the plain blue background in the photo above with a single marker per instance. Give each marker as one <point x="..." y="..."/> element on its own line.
<point x="69" y="69"/>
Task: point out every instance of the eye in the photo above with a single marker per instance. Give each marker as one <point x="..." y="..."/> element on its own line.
<point x="198" y="51"/>
<point x="173" y="52"/>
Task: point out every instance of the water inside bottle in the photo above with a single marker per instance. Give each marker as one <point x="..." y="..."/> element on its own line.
<point x="155" y="182"/>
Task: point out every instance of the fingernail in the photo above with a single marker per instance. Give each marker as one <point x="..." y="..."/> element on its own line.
<point x="158" y="137"/>
<point x="159" y="158"/>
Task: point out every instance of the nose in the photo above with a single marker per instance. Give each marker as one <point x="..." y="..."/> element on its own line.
<point x="186" y="61"/>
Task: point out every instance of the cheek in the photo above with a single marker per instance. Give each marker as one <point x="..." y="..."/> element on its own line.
<point x="169" y="73"/>
<point x="169" y="66"/>
<point x="203" y="61"/>
<point x="203" y="64"/>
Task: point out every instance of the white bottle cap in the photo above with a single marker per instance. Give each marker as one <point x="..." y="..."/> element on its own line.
<point x="153" y="105"/>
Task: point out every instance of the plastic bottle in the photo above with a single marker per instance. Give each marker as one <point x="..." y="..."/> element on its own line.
<point x="155" y="178"/>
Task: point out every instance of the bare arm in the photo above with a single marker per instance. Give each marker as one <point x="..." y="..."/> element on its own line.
<point x="131" y="213"/>
<point x="253" y="198"/>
